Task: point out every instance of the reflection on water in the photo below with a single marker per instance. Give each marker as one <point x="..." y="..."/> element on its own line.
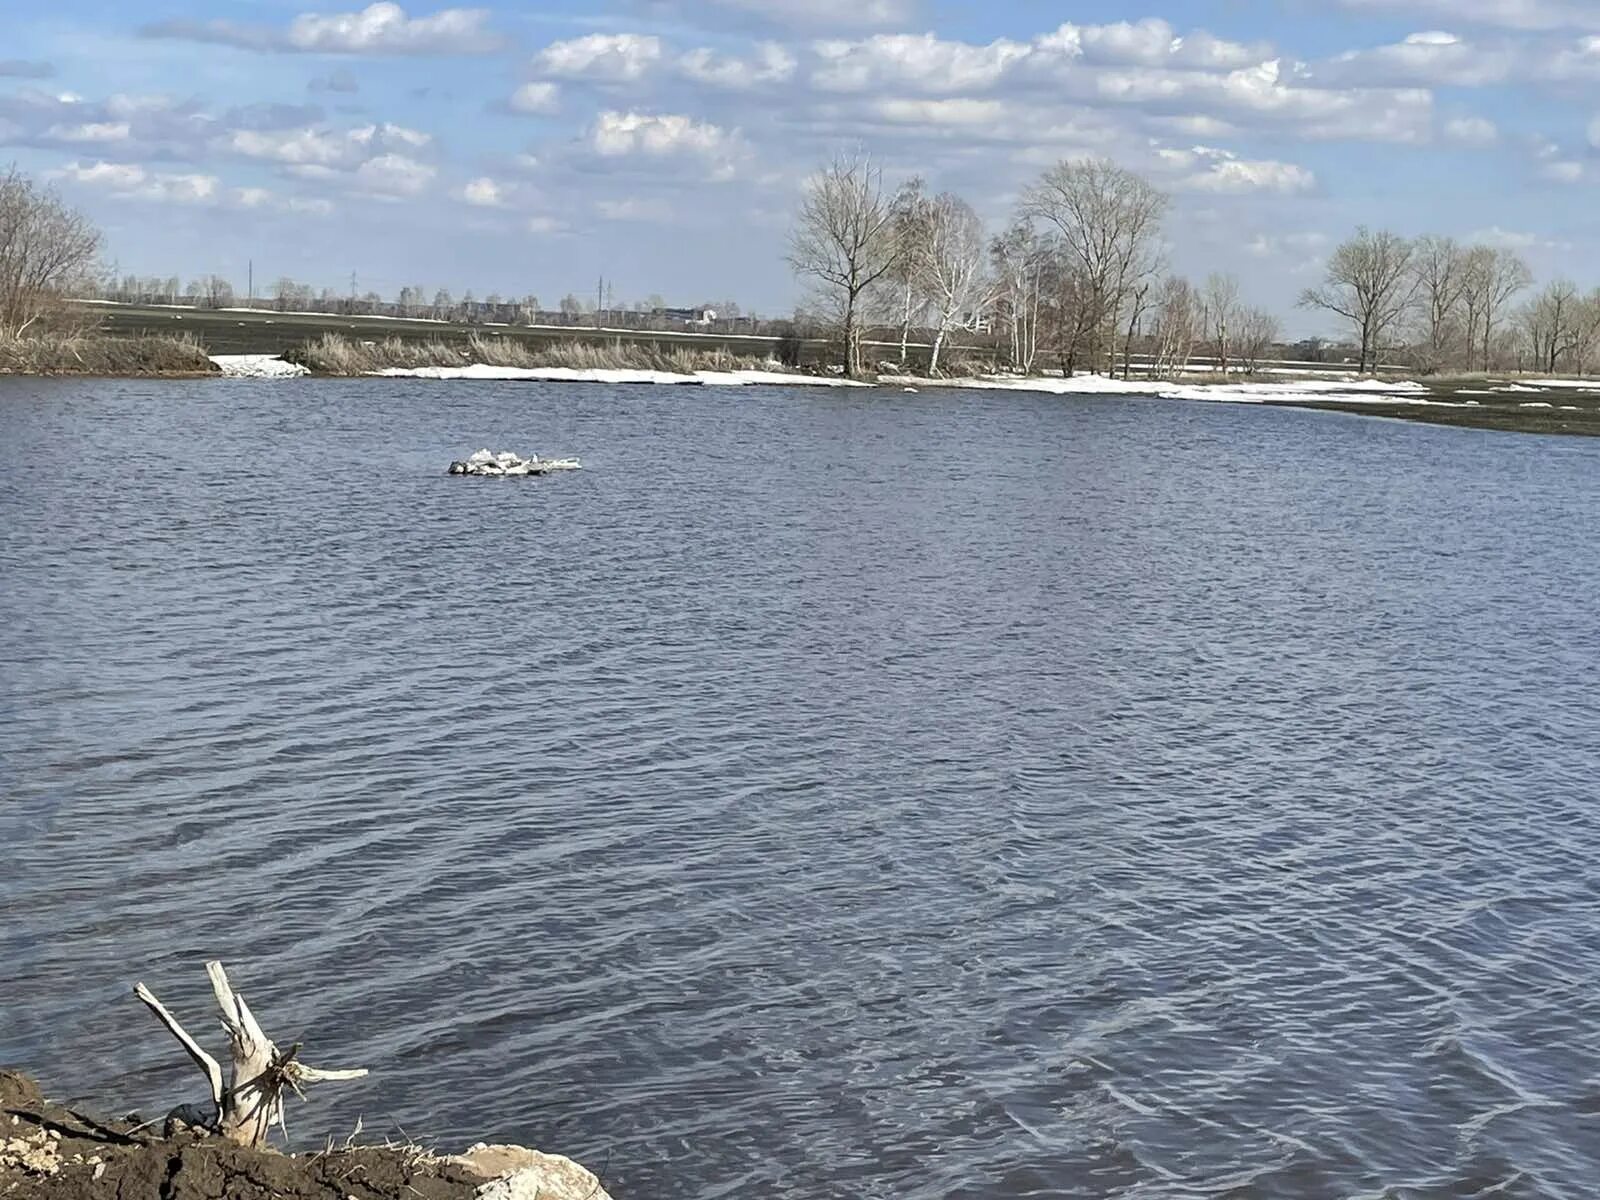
<point x="822" y="795"/>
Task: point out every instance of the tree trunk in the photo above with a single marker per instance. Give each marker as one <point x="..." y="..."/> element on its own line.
<point x="850" y="337"/>
<point x="938" y="344"/>
<point x="253" y="1101"/>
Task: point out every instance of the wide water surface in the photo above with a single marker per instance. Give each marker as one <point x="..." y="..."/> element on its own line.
<point x="824" y="794"/>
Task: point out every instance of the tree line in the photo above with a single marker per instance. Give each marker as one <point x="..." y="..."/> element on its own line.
<point x="1077" y="279"/>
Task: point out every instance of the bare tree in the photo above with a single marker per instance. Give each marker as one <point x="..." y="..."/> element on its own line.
<point x="46" y="250"/>
<point x="1020" y="259"/>
<point x="1176" y="326"/>
<point x="1493" y="277"/>
<point x="1439" y="266"/>
<point x="950" y="264"/>
<point x="1555" y="325"/>
<point x="1222" y="310"/>
<point x="1370" y="284"/>
<point x="844" y="240"/>
<point x="911" y="214"/>
<point x="1109" y="223"/>
<point x="1258" y="332"/>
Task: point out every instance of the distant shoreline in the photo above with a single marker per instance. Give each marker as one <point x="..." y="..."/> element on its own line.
<point x="1522" y="404"/>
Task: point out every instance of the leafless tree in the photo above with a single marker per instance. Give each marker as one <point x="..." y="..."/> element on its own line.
<point x="1223" y="310"/>
<point x="1556" y="325"/>
<point x="1109" y="223"/>
<point x="911" y="215"/>
<point x="1176" y="326"/>
<point x="1258" y="332"/>
<point x="1439" y="266"/>
<point x="46" y="250"/>
<point x="844" y="241"/>
<point x="1370" y="284"/>
<point x="1020" y="260"/>
<point x="950" y="264"/>
<point x="1493" y="277"/>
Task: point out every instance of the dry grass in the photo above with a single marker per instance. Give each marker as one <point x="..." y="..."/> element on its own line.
<point x="333" y="354"/>
<point x="78" y="353"/>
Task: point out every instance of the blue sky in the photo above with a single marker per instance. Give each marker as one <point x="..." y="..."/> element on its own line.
<point x="519" y="148"/>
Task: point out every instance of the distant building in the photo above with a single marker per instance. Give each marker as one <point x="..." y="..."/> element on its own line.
<point x="689" y="316"/>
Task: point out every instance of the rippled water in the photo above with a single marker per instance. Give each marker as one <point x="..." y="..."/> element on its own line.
<point x="823" y="795"/>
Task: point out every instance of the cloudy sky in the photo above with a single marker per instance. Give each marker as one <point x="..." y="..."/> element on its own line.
<point x="530" y="147"/>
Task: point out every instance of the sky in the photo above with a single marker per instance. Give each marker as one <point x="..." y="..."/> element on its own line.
<point x="527" y="148"/>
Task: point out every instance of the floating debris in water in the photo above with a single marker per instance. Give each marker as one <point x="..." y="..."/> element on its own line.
<point x="489" y="462"/>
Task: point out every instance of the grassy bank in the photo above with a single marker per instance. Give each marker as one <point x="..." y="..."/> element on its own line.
<point x="334" y="354"/>
<point x="49" y="353"/>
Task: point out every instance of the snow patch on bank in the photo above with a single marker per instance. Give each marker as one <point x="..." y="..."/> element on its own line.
<point x="257" y="366"/>
<point x="1356" y="391"/>
<point x="480" y="371"/>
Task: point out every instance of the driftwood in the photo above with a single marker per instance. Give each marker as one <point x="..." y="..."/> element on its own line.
<point x="252" y="1103"/>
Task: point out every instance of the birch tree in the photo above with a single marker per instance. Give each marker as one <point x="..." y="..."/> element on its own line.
<point x="844" y="241"/>
<point x="911" y="217"/>
<point x="950" y="263"/>
<point x="46" y="249"/>
<point x="1175" y="326"/>
<point x="1222" y="310"/>
<point x="1370" y="284"/>
<point x="1109" y="222"/>
<point x="1258" y="332"/>
<point x="1019" y="260"/>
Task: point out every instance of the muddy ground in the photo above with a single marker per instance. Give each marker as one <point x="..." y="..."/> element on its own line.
<point x="49" y="1152"/>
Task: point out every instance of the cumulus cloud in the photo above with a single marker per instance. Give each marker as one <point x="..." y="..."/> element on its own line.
<point x="537" y="98"/>
<point x="922" y="61"/>
<point x="1207" y="169"/>
<point x="600" y="57"/>
<point x="379" y="29"/>
<point x="131" y="181"/>
<point x="1433" y="58"/>
<point x="772" y="63"/>
<point x="394" y="175"/>
<point x="667" y="136"/>
<point x="1471" y="131"/>
<point x="484" y="192"/>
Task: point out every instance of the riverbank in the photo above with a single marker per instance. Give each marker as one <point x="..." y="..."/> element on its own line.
<point x="49" y="1151"/>
<point x="146" y="355"/>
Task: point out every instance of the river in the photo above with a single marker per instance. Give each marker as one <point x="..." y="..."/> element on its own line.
<point x="823" y="794"/>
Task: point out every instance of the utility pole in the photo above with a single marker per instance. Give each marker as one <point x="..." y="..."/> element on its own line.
<point x="250" y="291"/>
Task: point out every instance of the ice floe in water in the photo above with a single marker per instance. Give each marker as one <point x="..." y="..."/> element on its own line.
<point x="257" y="366"/>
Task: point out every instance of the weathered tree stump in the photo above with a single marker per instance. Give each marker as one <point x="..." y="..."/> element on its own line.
<point x="252" y="1102"/>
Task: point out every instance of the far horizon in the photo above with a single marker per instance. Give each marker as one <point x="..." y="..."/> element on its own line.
<point x="663" y="145"/>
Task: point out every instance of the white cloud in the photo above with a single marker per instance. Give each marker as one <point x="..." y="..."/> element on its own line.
<point x="1432" y="58"/>
<point x="384" y="28"/>
<point x="772" y="64"/>
<point x="136" y="182"/>
<point x="545" y="225"/>
<point x="825" y="14"/>
<point x="618" y="134"/>
<point x="394" y="175"/>
<point x="537" y="98"/>
<point x="381" y="28"/>
<point x="922" y="61"/>
<point x="1563" y="171"/>
<point x="311" y="147"/>
<point x="1507" y="14"/>
<point x="958" y="112"/>
<point x="602" y="57"/>
<point x="102" y="131"/>
<point x="1472" y="131"/>
<point x="1206" y="169"/>
<point x="484" y="192"/>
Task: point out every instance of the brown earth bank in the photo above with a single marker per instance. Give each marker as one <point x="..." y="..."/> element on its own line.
<point x="52" y="1152"/>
